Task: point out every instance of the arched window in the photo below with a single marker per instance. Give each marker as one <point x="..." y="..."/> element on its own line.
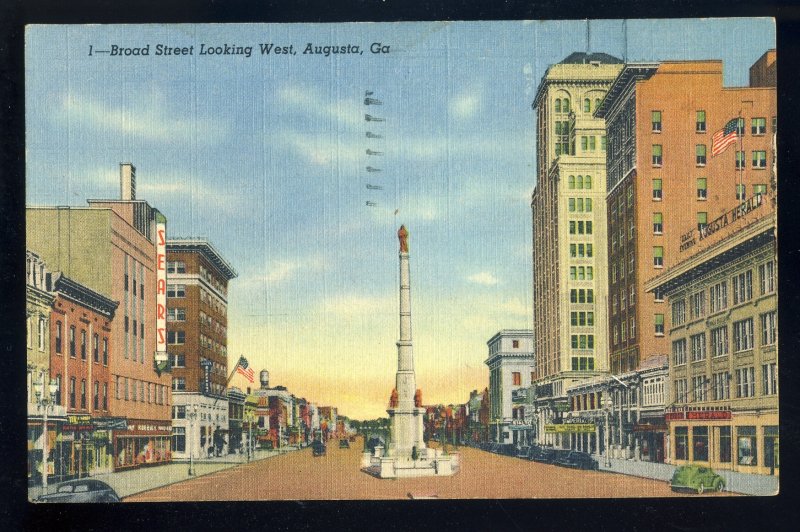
<point x="579" y="182"/>
<point x="558" y="105"/>
<point x="587" y="105"/>
<point x="587" y="181"/>
<point x="565" y="105"/>
<point x="571" y="181"/>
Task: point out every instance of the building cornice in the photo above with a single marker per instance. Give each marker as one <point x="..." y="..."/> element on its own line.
<point x="204" y="248"/>
<point x="83" y="295"/>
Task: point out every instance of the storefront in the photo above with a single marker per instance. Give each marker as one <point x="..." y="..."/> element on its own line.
<point x="35" y="448"/>
<point x="142" y="443"/>
<point x="748" y="443"/>
<point x="650" y="435"/>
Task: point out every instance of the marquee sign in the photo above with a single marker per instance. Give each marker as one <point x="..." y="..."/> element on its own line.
<point x="161" y="357"/>
<point x="581" y="428"/>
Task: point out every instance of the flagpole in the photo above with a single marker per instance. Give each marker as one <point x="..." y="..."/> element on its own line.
<point x="230" y="378"/>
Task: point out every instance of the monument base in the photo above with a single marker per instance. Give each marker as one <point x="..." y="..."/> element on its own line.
<point x="433" y="463"/>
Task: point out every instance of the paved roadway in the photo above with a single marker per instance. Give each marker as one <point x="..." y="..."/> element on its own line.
<point x="299" y="475"/>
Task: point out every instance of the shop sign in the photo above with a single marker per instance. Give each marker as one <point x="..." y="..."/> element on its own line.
<point x="161" y="284"/>
<point x="708" y="414"/>
<point x="688" y="239"/>
<point x="649" y="428"/>
<point x="578" y="420"/>
<point x="581" y="428"/>
<point x="78" y="423"/>
<point x="110" y="423"/>
<point x="149" y="427"/>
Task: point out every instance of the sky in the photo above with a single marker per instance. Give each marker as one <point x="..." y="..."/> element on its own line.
<point x="266" y="156"/>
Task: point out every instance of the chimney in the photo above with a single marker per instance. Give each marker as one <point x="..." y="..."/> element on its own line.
<point x="264" y="378"/>
<point x="127" y="181"/>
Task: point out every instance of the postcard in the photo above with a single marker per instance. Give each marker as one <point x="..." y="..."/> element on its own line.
<point x="506" y="259"/>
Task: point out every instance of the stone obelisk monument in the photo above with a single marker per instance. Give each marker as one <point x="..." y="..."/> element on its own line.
<point x="406" y="417"/>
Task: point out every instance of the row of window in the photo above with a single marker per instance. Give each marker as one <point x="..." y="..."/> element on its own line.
<point x="621" y="268"/>
<point x="579" y="204"/>
<point x="580" y="251"/>
<point x="141" y="391"/>
<point x="758" y="125"/>
<point x="41" y="332"/>
<point x="581" y="295"/>
<point x="579" y="182"/>
<point x="743" y="339"/>
<point x="582" y="319"/>
<point x="96" y="352"/>
<point x="622" y="300"/>
<point x="562" y="105"/>
<point x="99" y="402"/>
<point x="582" y="341"/>
<point x="622" y="333"/>
<point x="746" y="450"/>
<point x="581" y="273"/>
<point x="759" y="157"/>
<point x="579" y="227"/>
<point x="582" y="363"/>
<point x="742" y="289"/>
<point x="719" y="385"/>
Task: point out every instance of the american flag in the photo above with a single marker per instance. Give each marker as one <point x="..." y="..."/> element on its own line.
<point x="724" y="137"/>
<point x="242" y="367"/>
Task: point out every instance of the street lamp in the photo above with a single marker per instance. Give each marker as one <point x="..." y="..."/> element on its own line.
<point x="608" y="405"/>
<point x="45" y="401"/>
<point x="192" y="415"/>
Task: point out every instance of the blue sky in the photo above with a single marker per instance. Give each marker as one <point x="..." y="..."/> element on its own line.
<point x="266" y="157"/>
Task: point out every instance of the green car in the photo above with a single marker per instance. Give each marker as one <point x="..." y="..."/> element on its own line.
<point x="696" y="478"/>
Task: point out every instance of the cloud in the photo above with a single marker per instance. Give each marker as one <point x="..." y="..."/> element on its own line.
<point x="515" y="307"/>
<point x="279" y="271"/>
<point x="153" y="122"/>
<point x="350" y="304"/>
<point x="341" y="111"/>
<point x="484" y="278"/>
<point x="465" y="105"/>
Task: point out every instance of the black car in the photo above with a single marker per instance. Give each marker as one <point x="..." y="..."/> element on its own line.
<point x="84" y="490"/>
<point x="343" y="444"/>
<point x="548" y="455"/>
<point x="318" y="448"/>
<point x="507" y="449"/>
<point x="577" y="460"/>
<point x="532" y="450"/>
<point x="522" y="452"/>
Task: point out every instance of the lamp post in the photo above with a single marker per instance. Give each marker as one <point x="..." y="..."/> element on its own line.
<point x="44" y="401"/>
<point x="607" y="406"/>
<point x="250" y="420"/>
<point x="192" y="415"/>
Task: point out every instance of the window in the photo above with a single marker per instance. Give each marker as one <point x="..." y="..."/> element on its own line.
<point x="571" y="182"/>
<point x="746" y="446"/>
<point x="758" y="126"/>
<point x="718" y="295"/>
<point x="632" y="296"/>
<point x="633" y="327"/>
<point x="176" y="337"/>
<point x="742" y="287"/>
<point x="135" y="328"/>
<point x="588" y="204"/>
<point x="702" y="191"/>
<point x="698" y="347"/>
<point x="72" y="392"/>
<point x="769" y="378"/>
<point x="565" y="105"/>
<point x="125" y="388"/>
<point x="72" y="341"/>
<point x="698" y="304"/>
<point x="740" y="192"/>
<point x="41" y="333"/>
<point x="126" y="277"/>
<point x="134" y="395"/>
<point x="572" y="273"/>
<point x="629" y="192"/>
<point x="759" y="190"/>
<point x="768" y="328"/>
<point x="178" y="384"/>
<point x="721" y="386"/>
<point x="743" y="335"/>
<point x="83" y="394"/>
<point x="558" y="105"/>
<point x="589" y="273"/>
<point x="740" y="127"/>
<point x="176" y="290"/>
<point x="585" y="143"/>
<point x="658" y="256"/>
<point x="719" y="341"/>
<point x="105" y="396"/>
<point x="681" y="391"/>
<point x="587" y="105"/>
<point x="516" y="378"/>
<point x="96" y="347"/>
<point x="515" y="344"/>
<point x="657" y="158"/>
<point x="700" y="122"/>
<point x="117" y="391"/>
<point x="179" y="412"/>
<point x="681" y="443"/>
<point x="657" y="195"/>
<point x="656" y="120"/>
<point x="766" y="276"/>
<point x="658" y="223"/>
<point x="587" y="182"/>
<point x="96" y="396"/>
<point x="59" y="327"/>
<point x="700" y="154"/>
<point x="180" y="267"/>
<point x="603" y="143"/>
<point x="592" y="143"/>
<point x="105" y="351"/>
<point x="571" y="203"/>
<point x="659" y="324"/>
<point x="679" y="312"/>
<point x="759" y="159"/>
<point x="739" y="160"/>
<point x="679" y="351"/>
<point x="702" y="220"/>
<point x="745" y="382"/>
<point x="176" y="314"/>
<point x="725" y="444"/>
<point x="700" y="443"/>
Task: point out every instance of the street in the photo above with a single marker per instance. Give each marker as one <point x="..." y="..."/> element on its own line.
<point x="299" y="475"/>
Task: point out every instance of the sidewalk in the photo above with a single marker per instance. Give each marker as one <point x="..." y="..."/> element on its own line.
<point x="126" y="483"/>
<point x="735" y="482"/>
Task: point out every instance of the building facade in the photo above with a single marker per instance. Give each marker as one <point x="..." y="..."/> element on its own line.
<point x="511" y="365"/>
<point x="664" y="177"/>
<point x="197" y="338"/>
<point x="110" y="248"/>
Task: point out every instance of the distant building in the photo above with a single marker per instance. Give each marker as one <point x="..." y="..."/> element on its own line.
<point x="511" y="363"/>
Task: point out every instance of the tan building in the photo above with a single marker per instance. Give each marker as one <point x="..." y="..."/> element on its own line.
<point x="569" y="228"/>
<point x="663" y="180"/>
<point x="723" y="338"/>
<point x="110" y="247"/>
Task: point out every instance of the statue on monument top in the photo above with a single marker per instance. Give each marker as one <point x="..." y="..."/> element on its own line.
<point x="402" y="234"/>
<point x="418" y="398"/>
<point x="393" y="399"/>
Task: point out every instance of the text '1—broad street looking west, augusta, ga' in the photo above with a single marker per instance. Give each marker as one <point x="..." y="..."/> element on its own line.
<point x="507" y="259"/>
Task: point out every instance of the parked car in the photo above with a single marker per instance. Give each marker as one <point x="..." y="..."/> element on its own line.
<point x="698" y="478"/>
<point x="548" y="455"/>
<point x="84" y="490"/>
<point x="507" y="449"/>
<point x="343" y="444"/>
<point x="318" y="448"/>
<point x="577" y="460"/>
<point x="522" y="452"/>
